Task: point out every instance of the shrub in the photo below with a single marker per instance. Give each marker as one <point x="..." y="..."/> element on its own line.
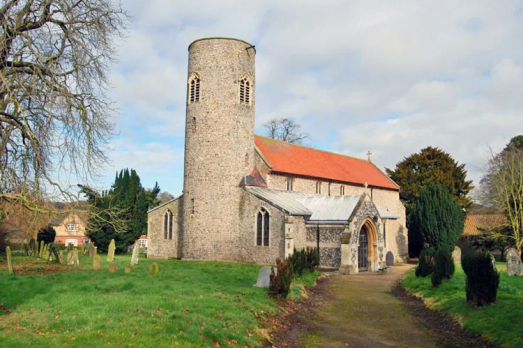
<point x="443" y="267"/>
<point x="303" y="260"/>
<point x="280" y="283"/>
<point x="482" y="278"/>
<point x="426" y="263"/>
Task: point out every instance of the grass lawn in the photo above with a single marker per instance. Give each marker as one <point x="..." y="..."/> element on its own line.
<point x="501" y="322"/>
<point x="188" y="304"/>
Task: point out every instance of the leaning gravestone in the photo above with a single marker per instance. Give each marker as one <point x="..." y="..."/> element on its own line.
<point x="136" y="254"/>
<point x="456" y="254"/>
<point x="92" y="250"/>
<point x="389" y="259"/>
<point x="110" y="252"/>
<point x="9" y="261"/>
<point x="513" y="263"/>
<point x="264" y="277"/>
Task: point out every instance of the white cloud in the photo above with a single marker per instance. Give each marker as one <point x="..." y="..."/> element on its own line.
<point x="390" y="77"/>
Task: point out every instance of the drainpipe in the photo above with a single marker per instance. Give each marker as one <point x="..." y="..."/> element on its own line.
<point x="318" y="241"/>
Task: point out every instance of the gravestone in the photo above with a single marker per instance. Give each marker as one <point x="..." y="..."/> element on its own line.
<point x="69" y="260"/>
<point x="112" y="267"/>
<point x="136" y="254"/>
<point x="513" y="263"/>
<point x="456" y="254"/>
<point x="264" y="277"/>
<point x="110" y="252"/>
<point x="389" y="259"/>
<point x="9" y="261"/>
<point x="41" y="252"/>
<point x="74" y="259"/>
<point x="128" y="269"/>
<point x="92" y="250"/>
<point x="153" y="269"/>
<point x="97" y="262"/>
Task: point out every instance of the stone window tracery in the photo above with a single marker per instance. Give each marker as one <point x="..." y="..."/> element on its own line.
<point x="194" y="88"/>
<point x="168" y="225"/>
<point x="262" y="227"/>
<point x="245" y="90"/>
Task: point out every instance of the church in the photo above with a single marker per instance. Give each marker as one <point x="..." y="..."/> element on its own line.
<point x="248" y="198"/>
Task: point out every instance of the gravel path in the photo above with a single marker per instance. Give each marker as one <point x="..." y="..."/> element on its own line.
<point x="366" y="310"/>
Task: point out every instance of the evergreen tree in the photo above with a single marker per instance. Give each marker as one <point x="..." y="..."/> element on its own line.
<point x="46" y="234"/>
<point x="417" y="172"/>
<point x="121" y="212"/>
<point x="437" y="218"/>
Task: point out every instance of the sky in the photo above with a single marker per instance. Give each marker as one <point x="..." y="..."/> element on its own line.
<point x="390" y="77"/>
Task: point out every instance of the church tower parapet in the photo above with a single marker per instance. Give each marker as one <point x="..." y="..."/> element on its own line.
<point x="219" y="144"/>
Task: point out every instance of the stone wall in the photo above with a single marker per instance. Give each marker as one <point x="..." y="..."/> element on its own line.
<point x="248" y="251"/>
<point x="219" y="148"/>
<point x="157" y="245"/>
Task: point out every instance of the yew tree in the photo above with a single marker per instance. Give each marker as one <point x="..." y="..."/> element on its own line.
<point x="437" y="218"/>
<point x="55" y="57"/>
<point x="418" y="171"/>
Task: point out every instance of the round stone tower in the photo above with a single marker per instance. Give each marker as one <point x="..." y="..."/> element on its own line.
<point x="219" y="145"/>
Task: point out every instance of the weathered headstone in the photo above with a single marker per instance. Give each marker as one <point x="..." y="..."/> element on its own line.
<point x="32" y="247"/>
<point x="136" y="254"/>
<point x="9" y="260"/>
<point x="69" y="257"/>
<point x="456" y="254"/>
<point x="92" y="250"/>
<point x="74" y="259"/>
<point x="128" y="269"/>
<point x="112" y="267"/>
<point x="82" y="249"/>
<point x="45" y="253"/>
<point x="61" y="255"/>
<point x="153" y="269"/>
<point x="110" y="252"/>
<point x="264" y="277"/>
<point x="97" y="262"/>
<point x="513" y="263"/>
<point x="389" y="259"/>
<point x="41" y="252"/>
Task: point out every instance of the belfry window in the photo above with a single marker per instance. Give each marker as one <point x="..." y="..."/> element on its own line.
<point x="262" y="227"/>
<point x="245" y="91"/>
<point x="290" y="183"/>
<point x="318" y="186"/>
<point x="194" y="88"/>
<point x="342" y="190"/>
<point x="168" y="225"/>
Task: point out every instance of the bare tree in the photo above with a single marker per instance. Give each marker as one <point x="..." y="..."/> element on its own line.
<point x="165" y="197"/>
<point x="286" y="129"/>
<point x="54" y="111"/>
<point x="502" y="188"/>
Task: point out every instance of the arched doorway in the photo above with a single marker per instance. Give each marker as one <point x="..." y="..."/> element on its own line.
<point x="363" y="251"/>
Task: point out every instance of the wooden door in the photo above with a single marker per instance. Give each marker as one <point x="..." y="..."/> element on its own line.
<point x="363" y="255"/>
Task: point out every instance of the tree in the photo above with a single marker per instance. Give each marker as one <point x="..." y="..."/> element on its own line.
<point x="417" y="172"/>
<point x="121" y="212"/>
<point x="286" y="129"/>
<point x="437" y="218"/>
<point x="165" y="197"/>
<point x="502" y="187"/>
<point x="54" y="112"/>
<point x="46" y="234"/>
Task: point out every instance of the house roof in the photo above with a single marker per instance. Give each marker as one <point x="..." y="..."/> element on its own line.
<point x="304" y="161"/>
<point x="478" y="223"/>
<point x="321" y="209"/>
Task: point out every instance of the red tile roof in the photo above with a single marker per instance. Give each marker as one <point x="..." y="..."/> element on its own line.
<point x="477" y="224"/>
<point x="304" y="161"/>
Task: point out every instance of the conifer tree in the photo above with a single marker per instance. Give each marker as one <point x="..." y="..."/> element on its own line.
<point x="437" y="218"/>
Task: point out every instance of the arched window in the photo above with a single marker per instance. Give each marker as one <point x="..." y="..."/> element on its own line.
<point x="262" y="227"/>
<point x="168" y="225"/>
<point x="245" y="91"/>
<point x="194" y="88"/>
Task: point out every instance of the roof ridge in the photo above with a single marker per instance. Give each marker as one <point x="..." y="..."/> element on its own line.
<point x="312" y="148"/>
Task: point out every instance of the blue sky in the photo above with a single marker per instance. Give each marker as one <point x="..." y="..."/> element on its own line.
<point x="389" y="77"/>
